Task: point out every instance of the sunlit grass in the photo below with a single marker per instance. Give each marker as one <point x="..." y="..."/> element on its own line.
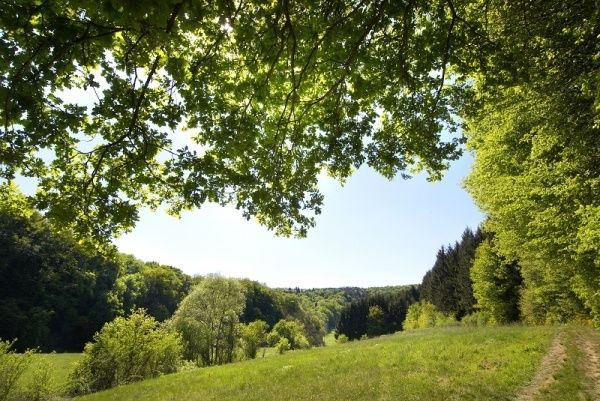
<point x="436" y="364"/>
<point x="572" y="382"/>
<point x="59" y="365"/>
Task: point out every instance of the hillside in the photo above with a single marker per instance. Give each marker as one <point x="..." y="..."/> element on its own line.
<point x="436" y="364"/>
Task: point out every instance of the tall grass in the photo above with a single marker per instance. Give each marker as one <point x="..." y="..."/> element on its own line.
<point x="434" y="364"/>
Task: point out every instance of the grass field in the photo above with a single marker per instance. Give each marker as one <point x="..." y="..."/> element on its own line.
<point x="436" y="364"/>
<point x="60" y="366"/>
<point x="503" y="363"/>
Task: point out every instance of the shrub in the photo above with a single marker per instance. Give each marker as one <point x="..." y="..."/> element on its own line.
<point x="12" y="367"/>
<point x="342" y="338"/>
<point x="480" y="318"/>
<point x="39" y="386"/>
<point x="291" y="330"/>
<point x="253" y="336"/>
<point x="282" y="345"/>
<point x="424" y="314"/>
<point x="124" y="351"/>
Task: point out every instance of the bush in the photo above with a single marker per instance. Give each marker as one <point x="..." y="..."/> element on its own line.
<point x="291" y="330"/>
<point x="253" y="336"/>
<point x="124" y="351"/>
<point x="424" y="314"/>
<point x="39" y="386"/>
<point x="12" y="367"/>
<point x="282" y="345"/>
<point x="342" y="338"/>
<point x="479" y="319"/>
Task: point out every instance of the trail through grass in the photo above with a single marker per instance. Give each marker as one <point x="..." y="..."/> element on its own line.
<point x="436" y="364"/>
<point x="577" y="376"/>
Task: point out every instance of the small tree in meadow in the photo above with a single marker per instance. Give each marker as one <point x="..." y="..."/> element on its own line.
<point x="207" y="319"/>
<point x="253" y="336"/>
<point x="292" y="331"/>
<point x="375" y="321"/>
<point x="126" y="350"/>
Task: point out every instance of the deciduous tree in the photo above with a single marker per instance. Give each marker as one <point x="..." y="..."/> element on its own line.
<point x="118" y="105"/>
<point x="207" y="319"/>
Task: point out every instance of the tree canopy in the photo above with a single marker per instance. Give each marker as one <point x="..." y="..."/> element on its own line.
<point x="117" y="105"/>
<point x="536" y="141"/>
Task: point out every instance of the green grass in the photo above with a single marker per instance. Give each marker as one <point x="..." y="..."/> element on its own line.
<point x="571" y="381"/>
<point x="60" y="366"/>
<point x="433" y="364"/>
<point x="329" y="339"/>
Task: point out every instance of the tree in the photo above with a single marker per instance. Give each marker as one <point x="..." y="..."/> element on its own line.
<point x="207" y="318"/>
<point x="261" y="304"/>
<point x="535" y="136"/>
<point x="448" y="284"/>
<point x="375" y="321"/>
<point x="496" y="284"/>
<point x="381" y="312"/>
<point x="269" y="94"/>
<point x="156" y="288"/>
<point x="289" y="333"/>
<point x="55" y="293"/>
<point x="253" y="336"/>
<point x="424" y="314"/>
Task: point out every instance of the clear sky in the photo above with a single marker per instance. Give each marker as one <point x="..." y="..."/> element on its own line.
<point x="372" y="232"/>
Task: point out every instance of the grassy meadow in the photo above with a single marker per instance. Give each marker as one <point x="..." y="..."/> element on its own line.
<point x="59" y="365"/>
<point x="434" y="364"/>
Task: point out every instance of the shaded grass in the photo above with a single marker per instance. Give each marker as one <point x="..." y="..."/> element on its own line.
<point x="431" y="364"/>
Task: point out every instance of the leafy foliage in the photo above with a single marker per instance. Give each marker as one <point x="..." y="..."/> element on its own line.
<point x="126" y="350"/>
<point x="262" y="303"/>
<point x="288" y="334"/>
<point x="496" y="284"/>
<point x="12" y="367"/>
<point x="316" y="85"/>
<point x="253" y="336"/>
<point x="424" y="314"/>
<point x="148" y="285"/>
<point x="535" y="136"/>
<point x="55" y="293"/>
<point x="207" y="319"/>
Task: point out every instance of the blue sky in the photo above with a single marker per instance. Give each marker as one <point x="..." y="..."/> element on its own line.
<point x="372" y="232"/>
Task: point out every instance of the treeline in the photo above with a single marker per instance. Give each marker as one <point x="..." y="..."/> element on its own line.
<point x="448" y="284"/>
<point x="55" y="292"/>
<point x="376" y="314"/>
<point x="469" y="281"/>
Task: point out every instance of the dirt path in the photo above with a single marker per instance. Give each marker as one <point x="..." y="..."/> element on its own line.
<point x="592" y="365"/>
<point x="551" y="364"/>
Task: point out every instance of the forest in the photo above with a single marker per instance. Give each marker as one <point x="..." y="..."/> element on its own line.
<point x="271" y="95"/>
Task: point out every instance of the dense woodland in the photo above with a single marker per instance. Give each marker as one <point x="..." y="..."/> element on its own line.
<point x="275" y="94"/>
<point x="57" y="292"/>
